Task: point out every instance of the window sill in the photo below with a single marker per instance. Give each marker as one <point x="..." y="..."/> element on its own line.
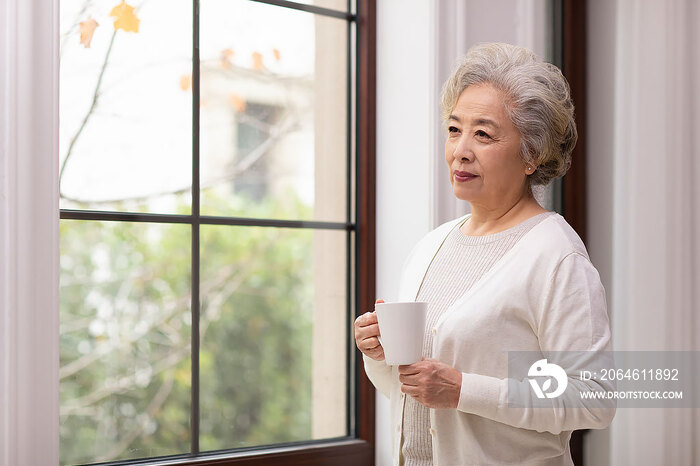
<point x="340" y="453"/>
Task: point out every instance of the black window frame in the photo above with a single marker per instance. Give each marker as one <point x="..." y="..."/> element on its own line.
<point x="357" y="448"/>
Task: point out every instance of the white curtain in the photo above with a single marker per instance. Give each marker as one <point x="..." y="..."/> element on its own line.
<point x="28" y="232"/>
<point x="655" y="302"/>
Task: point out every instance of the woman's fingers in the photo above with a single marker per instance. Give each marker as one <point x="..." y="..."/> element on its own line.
<point x="410" y="390"/>
<point x="366" y="326"/>
<point x="410" y="369"/>
<point x="409" y="379"/>
<point x="366" y="337"/>
<point x="372" y="348"/>
<point x="410" y="374"/>
<point x="370" y="343"/>
<point x="376" y="353"/>
<point x="367" y="333"/>
<point x="368" y="318"/>
<point x="436" y="385"/>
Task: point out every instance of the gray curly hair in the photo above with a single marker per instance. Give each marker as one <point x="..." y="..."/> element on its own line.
<point x="537" y="100"/>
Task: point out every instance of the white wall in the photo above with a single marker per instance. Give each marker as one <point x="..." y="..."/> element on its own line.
<point x="405" y="146"/>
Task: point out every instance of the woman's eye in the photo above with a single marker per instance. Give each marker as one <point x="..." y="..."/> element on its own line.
<point x="482" y="134"/>
<point x="452" y="129"/>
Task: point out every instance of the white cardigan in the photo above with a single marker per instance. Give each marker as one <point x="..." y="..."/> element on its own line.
<point x="543" y="295"/>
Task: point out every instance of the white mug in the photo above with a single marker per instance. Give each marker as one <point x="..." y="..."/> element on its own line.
<point x="402" y="326"/>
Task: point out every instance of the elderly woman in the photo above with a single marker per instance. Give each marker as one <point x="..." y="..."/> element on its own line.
<point x="511" y="276"/>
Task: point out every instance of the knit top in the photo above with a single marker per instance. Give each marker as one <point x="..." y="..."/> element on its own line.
<point x="459" y="263"/>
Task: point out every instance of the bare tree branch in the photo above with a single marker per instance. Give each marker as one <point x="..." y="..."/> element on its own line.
<point x="223" y="278"/>
<point x="153" y="408"/>
<point x="102" y="350"/>
<point x="95" y="98"/>
<point x="75" y="325"/>
<point x="123" y="384"/>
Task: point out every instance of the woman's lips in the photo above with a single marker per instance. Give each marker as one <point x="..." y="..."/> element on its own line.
<point x="463" y="176"/>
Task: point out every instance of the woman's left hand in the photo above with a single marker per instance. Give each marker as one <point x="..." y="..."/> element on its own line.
<point x="432" y="383"/>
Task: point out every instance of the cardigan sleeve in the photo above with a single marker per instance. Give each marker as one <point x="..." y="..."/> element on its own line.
<point x="380" y="374"/>
<point x="573" y="332"/>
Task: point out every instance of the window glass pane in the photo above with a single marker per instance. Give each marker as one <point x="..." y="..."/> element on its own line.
<point x="125" y="374"/>
<point x="274" y="111"/>
<point x="126" y="105"/>
<point x="273" y="336"/>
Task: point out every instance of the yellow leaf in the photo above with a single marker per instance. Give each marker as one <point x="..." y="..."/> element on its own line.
<point x="126" y="19"/>
<point x="257" y="61"/>
<point x="277" y="54"/>
<point x="237" y="102"/>
<point x="87" y="29"/>
<point x="185" y="81"/>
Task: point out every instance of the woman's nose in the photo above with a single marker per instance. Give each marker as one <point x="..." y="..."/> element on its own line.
<point x="463" y="153"/>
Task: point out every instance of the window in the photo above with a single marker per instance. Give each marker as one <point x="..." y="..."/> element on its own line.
<point x="216" y="182"/>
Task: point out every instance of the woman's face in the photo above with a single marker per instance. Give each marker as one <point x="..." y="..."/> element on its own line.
<point x="483" y="150"/>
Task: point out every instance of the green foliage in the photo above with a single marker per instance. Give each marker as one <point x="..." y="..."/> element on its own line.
<point x="125" y="336"/>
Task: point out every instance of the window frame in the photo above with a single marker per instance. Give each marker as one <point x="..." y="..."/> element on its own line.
<point x="358" y="447"/>
<point x="573" y="40"/>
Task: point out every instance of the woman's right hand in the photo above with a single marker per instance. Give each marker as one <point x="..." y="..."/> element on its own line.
<point x="367" y="333"/>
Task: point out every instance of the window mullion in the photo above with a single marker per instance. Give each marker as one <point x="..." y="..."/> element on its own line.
<point x="194" y="409"/>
